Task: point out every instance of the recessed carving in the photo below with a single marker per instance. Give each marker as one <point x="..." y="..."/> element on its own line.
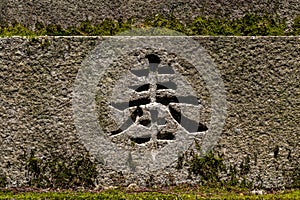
<point x="154" y="106"/>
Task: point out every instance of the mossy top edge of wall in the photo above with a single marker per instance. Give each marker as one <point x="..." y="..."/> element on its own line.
<point x="249" y="25"/>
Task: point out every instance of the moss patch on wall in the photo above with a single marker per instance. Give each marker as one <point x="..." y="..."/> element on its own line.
<point x="249" y="25"/>
<point x="296" y="26"/>
<point x="60" y="173"/>
<point x="3" y="181"/>
<point x="210" y="169"/>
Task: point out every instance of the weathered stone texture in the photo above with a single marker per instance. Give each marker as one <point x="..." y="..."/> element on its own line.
<point x="72" y="12"/>
<point x="261" y="77"/>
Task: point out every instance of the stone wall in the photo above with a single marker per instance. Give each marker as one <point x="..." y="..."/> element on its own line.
<point x="261" y="78"/>
<point x="71" y="12"/>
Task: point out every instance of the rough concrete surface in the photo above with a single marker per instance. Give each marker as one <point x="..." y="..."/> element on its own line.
<point x="261" y="77"/>
<point x="72" y="12"/>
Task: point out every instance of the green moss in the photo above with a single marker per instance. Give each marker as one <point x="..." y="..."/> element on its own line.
<point x="180" y="162"/>
<point x="245" y="166"/>
<point x="15" y="30"/>
<point x="107" y="27"/>
<point x="165" y="22"/>
<point x="168" y="193"/>
<point x="249" y="25"/>
<point x="210" y="169"/>
<point x="296" y="26"/>
<point x="295" y="179"/>
<point x="207" y="167"/>
<point x="61" y="173"/>
<point x="265" y="25"/>
<point x="3" y="181"/>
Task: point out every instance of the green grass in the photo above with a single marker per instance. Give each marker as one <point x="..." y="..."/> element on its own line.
<point x="249" y="25"/>
<point x="170" y="193"/>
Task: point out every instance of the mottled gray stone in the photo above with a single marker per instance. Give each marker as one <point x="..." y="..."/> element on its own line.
<point x="261" y="78"/>
<point x="71" y="12"/>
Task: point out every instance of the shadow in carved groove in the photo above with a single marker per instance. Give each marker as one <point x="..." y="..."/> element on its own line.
<point x="168" y="101"/>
